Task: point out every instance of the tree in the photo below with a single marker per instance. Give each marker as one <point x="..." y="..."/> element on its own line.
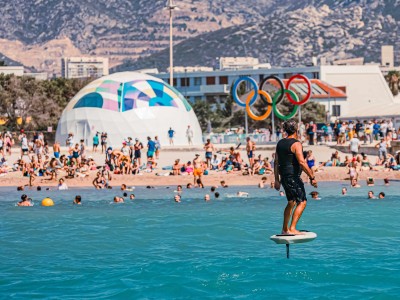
<point x="393" y="80"/>
<point x="40" y="101"/>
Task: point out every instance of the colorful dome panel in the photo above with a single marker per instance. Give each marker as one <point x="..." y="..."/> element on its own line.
<point x="124" y="96"/>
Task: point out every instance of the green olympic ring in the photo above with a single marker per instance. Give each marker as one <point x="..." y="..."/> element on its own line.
<point x="274" y="104"/>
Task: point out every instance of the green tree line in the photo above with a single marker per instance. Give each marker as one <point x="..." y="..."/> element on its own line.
<point x="40" y="102"/>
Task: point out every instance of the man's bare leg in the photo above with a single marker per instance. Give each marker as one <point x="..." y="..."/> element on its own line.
<point x="286" y="216"/>
<point x="296" y="217"/>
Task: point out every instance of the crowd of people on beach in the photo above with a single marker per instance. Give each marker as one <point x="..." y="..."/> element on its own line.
<point x="135" y="157"/>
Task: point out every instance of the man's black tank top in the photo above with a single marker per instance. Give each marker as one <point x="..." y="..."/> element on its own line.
<point x="287" y="161"/>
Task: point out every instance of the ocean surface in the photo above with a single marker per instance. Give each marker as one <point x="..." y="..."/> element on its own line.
<point x="153" y="248"/>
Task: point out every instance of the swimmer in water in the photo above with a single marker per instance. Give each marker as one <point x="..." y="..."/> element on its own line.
<point x="207" y="197"/>
<point x="216" y="195"/>
<point x="381" y="195"/>
<point x="223" y="184"/>
<point x="262" y="182"/>
<point x="288" y="167"/>
<point x="242" y="194"/>
<point x="315" y="195"/>
<point x="77" y="200"/>
<point x="178" y="189"/>
<point x="371" y="195"/>
<point x="177" y="198"/>
<point x="354" y="183"/>
<point x="118" y="199"/>
<point x="282" y="193"/>
<point x="344" y="191"/>
<point x="132" y="197"/>
<point x="123" y="187"/>
<point x="25" y="201"/>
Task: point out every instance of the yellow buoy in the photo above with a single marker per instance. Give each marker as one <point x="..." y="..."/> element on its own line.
<point x="47" y="202"/>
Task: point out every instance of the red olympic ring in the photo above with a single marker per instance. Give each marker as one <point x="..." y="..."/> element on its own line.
<point x="307" y="97"/>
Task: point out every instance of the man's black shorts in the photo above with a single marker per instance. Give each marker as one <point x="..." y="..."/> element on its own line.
<point x="138" y="154"/>
<point x="294" y="188"/>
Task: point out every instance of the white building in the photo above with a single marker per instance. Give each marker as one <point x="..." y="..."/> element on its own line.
<point x="84" y="67"/>
<point x="367" y="92"/>
<point x="128" y="104"/>
<point x="363" y="85"/>
<point x="16" y="70"/>
<point x="387" y="55"/>
<point x="238" y="63"/>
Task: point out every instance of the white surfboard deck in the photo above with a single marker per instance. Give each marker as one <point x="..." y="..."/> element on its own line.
<point x="294" y="239"/>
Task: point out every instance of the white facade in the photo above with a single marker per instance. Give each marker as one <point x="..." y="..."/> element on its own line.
<point x="84" y="67"/>
<point x="16" y="70"/>
<point x="128" y="104"/>
<point x="234" y="63"/>
<point x="368" y="93"/>
<point x="387" y="53"/>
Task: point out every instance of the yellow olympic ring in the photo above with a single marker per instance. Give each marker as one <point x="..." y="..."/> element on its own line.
<point x="269" y="109"/>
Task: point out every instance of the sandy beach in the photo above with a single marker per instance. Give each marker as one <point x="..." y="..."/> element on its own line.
<point x="169" y="154"/>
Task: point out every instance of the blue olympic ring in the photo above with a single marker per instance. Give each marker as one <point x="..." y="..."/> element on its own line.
<point x="235" y="91"/>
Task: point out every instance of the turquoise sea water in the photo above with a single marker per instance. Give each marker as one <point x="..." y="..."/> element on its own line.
<point x="153" y="248"/>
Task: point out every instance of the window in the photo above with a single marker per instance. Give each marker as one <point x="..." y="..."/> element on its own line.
<point x="287" y="75"/>
<point x="315" y="75"/>
<point x="90" y="100"/>
<point x="336" y="110"/>
<point x="185" y="82"/>
<point x="261" y="77"/>
<point x="197" y="81"/>
<point x="175" y="83"/>
<point x="223" y="80"/>
<point x="210" y="80"/>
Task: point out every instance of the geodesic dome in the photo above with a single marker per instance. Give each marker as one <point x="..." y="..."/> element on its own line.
<point x="128" y="104"/>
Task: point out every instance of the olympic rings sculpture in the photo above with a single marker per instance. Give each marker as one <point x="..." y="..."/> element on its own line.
<point x="271" y="102"/>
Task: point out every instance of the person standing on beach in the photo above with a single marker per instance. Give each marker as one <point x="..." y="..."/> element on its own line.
<point x="137" y="147"/>
<point x="151" y="148"/>
<point x="189" y="135"/>
<point x="354" y="145"/>
<point x="95" y="142"/>
<point x="103" y="142"/>
<point x="209" y="147"/>
<point x="56" y="150"/>
<point x="250" y="148"/>
<point x="289" y="165"/>
<point x="171" y="134"/>
<point x="158" y="146"/>
<point x="198" y="169"/>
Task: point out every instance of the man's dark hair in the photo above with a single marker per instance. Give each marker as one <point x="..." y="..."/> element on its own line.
<point x="216" y="195"/>
<point x="212" y="188"/>
<point x="290" y="126"/>
<point x="382" y="193"/>
<point x="125" y="194"/>
<point x="78" y="198"/>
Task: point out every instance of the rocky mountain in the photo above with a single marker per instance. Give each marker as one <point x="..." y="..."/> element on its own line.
<point x="134" y="33"/>
<point x="39" y="32"/>
<point x="7" y="61"/>
<point x="292" y="34"/>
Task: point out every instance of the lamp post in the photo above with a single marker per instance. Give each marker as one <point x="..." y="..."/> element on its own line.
<point x="171" y="6"/>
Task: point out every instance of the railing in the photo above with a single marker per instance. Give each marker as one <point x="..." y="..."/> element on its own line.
<point x="259" y="138"/>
